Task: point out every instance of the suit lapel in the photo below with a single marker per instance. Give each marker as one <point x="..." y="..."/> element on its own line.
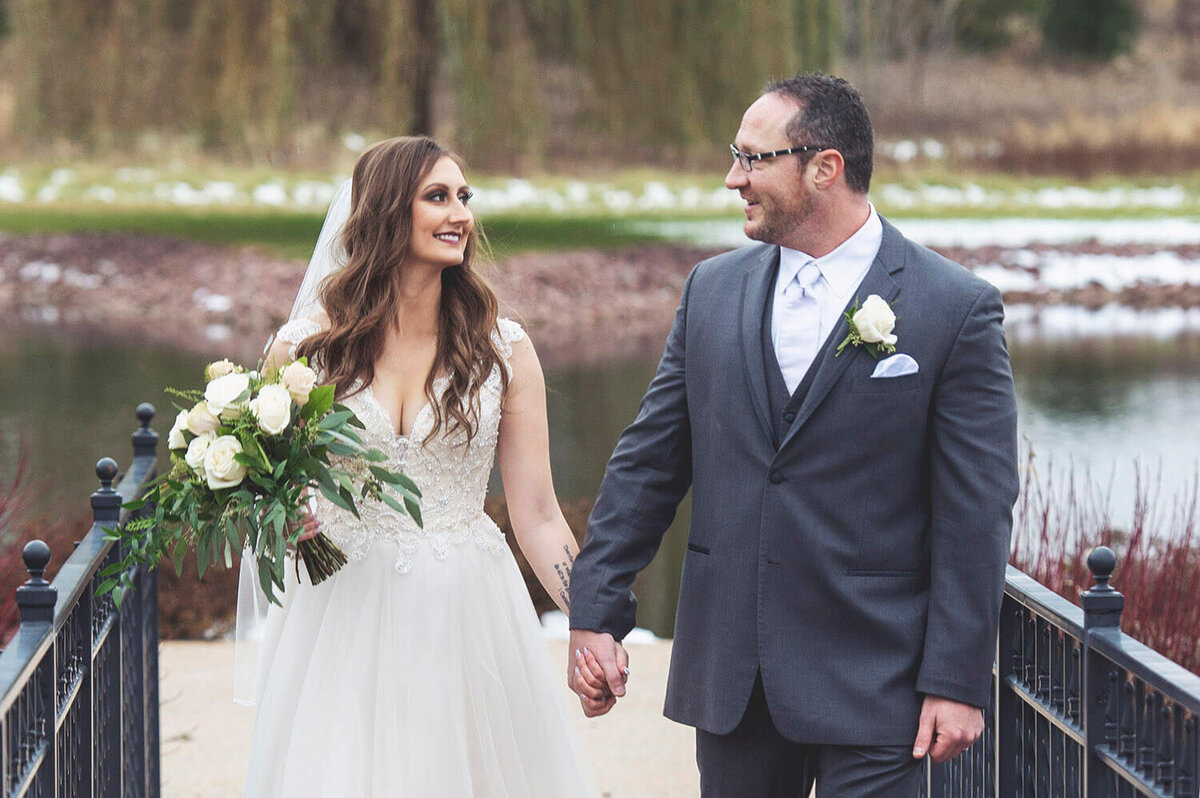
<point x="878" y="280"/>
<point x="757" y="282"/>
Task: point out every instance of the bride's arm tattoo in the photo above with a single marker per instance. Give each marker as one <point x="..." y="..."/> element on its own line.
<point x="563" y="569"/>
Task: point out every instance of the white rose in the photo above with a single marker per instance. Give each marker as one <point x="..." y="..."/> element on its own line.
<point x="272" y="408"/>
<point x="221" y="468"/>
<point x="175" y="439"/>
<point x="299" y="379"/>
<point x="875" y="321"/>
<point x="196" y="451"/>
<point x="218" y="368"/>
<point x="201" y="420"/>
<point x="222" y="393"/>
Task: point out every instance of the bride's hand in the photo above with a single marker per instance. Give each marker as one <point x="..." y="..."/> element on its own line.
<point x="310" y="527"/>
<point x="593" y="691"/>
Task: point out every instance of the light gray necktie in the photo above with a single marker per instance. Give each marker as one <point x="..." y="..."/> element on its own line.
<point x="800" y="333"/>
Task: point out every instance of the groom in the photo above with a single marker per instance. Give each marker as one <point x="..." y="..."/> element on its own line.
<point x="851" y="515"/>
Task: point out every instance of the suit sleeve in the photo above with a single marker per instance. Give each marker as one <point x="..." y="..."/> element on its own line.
<point x="973" y="487"/>
<point x="647" y="476"/>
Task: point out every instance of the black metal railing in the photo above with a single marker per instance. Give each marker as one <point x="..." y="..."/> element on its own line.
<point x="79" y="712"/>
<point x="1079" y="708"/>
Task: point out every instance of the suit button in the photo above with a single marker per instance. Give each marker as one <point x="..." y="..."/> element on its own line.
<point x="775" y="477"/>
<point x="789" y="416"/>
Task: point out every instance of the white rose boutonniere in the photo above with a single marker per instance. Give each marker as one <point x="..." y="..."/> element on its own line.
<point x="870" y="327"/>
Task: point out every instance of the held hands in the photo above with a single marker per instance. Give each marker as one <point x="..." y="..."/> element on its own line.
<point x="950" y="726"/>
<point x="597" y="669"/>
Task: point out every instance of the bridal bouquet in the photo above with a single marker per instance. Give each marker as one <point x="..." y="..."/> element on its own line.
<point x="244" y="460"/>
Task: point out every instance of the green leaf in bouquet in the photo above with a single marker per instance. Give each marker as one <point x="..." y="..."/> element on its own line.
<point x="267" y="578"/>
<point x="231" y="535"/>
<point x="393" y="502"/>
<point x="334" y="419"/>
<point x="414" y="510"/>
<point x="353" y="420"/>
<point x="279" y="470"/>
<point x="320" y="399"/>
<point x="343" y="479"/>
<point x="203" y="553"/>
<point x="253" y="448"/>
<point x="396" y="478"/>
<point x="334" y="496"/>
<point x="349" y="439"/>
<point x="345" y="450"/>
<point x="181" y="550"/>
<point x="228" y="555"/>
<point x="374" y="456"/>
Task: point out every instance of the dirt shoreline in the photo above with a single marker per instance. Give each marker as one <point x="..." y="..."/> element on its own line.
<point x="581" y="306"/>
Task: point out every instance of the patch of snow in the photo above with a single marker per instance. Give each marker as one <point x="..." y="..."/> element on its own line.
<point x="270" y="193"/>
<point x="40" y="271"/>
<point x="10" y="188"/>
<point x="218" y="332"/>
<point x="105" y="194"/>
<point x="1071" y="322"/>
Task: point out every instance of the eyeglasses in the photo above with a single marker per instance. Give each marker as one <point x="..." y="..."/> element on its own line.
<point x="747" y="159"/>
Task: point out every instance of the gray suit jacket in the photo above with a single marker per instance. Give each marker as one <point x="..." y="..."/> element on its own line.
<point x="859" y="565"/>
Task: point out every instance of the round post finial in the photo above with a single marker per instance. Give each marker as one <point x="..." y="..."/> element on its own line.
<point x="1102" y="562"/>
<point x="145" y="440"/>
<point x="37" y="597"/>
<point x="1101" y="604"/>
<point x="36" y="555"/>
<point x="106" y="502"/>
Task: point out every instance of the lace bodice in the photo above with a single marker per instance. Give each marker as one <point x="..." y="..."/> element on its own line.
<point x="451" y="474"/>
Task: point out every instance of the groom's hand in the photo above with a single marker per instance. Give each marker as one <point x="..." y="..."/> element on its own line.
<point x="591" y="650"/>
<point x="950" y="726"/>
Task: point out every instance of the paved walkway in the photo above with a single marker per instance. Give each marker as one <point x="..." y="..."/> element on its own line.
<point x="634" y="751"/>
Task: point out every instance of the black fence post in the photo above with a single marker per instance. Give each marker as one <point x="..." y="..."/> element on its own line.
<point x="105" y="672"/>
<point x="1102" y="607"/>
<point x="106" y="502"/>
<point x="37" y="597"/>
<point x="140" y="646"/>
<point x="145" y="440"/>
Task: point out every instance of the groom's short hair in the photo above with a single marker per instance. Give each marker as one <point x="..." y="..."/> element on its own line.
<point x="832" y="114"/>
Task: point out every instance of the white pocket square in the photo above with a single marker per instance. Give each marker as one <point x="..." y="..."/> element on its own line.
<point x="895" y="366"/>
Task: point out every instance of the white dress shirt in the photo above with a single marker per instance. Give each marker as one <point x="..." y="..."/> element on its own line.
<point x="842" y="271"/>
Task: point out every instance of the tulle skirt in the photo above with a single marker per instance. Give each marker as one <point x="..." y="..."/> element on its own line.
<point x="436" y="682"/>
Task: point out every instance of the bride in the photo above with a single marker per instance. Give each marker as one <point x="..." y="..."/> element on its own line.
<point x="419" y="668"/>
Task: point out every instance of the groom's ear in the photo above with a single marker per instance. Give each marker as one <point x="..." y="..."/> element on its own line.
<point x="828" y="167"/>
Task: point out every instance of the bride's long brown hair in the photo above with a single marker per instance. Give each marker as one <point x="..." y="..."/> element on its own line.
<point x="362" y="298"/>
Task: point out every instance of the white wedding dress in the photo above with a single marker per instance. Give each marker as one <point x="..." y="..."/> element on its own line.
<point x="419" y="669"/>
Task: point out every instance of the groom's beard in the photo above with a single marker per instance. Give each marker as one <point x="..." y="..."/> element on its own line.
<point x="780" y="221"/>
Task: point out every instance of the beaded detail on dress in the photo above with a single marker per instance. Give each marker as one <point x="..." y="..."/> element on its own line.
<point x="451" y="474"/>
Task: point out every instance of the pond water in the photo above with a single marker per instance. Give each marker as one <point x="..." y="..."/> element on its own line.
<point x="1096" y="405"/>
